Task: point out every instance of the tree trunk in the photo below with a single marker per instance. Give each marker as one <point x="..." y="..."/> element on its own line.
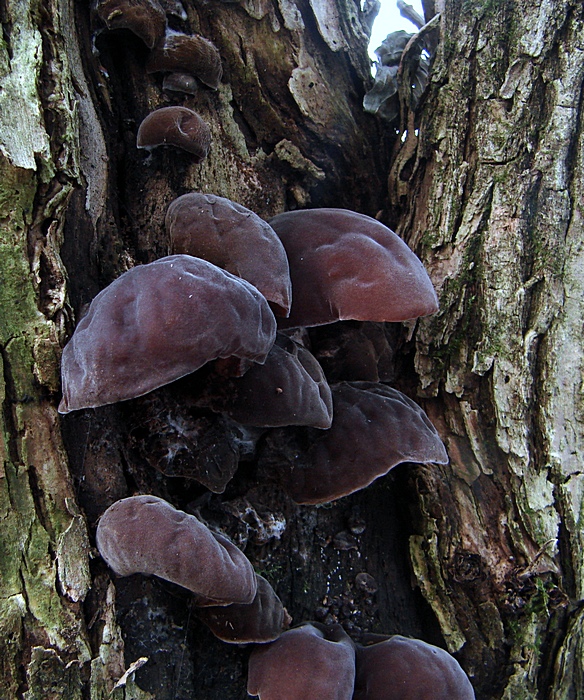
<point x="484" y="176"/>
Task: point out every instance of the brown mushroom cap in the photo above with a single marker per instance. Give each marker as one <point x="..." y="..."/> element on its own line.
<point x="157" y="323"/>
<point x="187" y="54"/>
<point x="306" y="663"/>
<point x="288" y="389"/>
<point x="409" y="669"/>
<point x="175" y="126"/>
<point x="374" y="428"/>
<point x="346" y="265"/>
<point x="233" y="238"/>
<point x="261" y="621"/>
<point x="145" y="18"/>
<point x="146" y="535"/>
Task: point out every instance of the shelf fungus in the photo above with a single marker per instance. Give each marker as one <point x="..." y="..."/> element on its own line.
<point x="184" y="53"/>
<point x="175" y="126"/>
<point x="261" y="621"/>
<point x="374" y="429"/>
<point x="399" y="668"/>
<point x="144" y="18"/>
<point x="233" y="238"/>
<point x="310" y="661"/>
<point x="147" y="535"/>
<point x="157" y="323"/>
<point x="346" y="266"/>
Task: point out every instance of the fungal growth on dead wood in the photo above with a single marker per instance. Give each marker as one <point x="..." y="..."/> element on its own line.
<point x="145" y="18"/>
<point x="175" y="126"/>
<point x="157" y="323"/>
<point x="146" y="535"/>
<point x="399" y="668"/>
<point x="374" y="429"/>
<point x="346" y="265"/>
<point x="310" y="661"/>
<point x="182" y="53"/>
<point x="233" y="238"/>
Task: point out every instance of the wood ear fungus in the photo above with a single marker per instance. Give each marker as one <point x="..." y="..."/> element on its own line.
<point x="175" y="126"/>
<point x="187" y="54"/>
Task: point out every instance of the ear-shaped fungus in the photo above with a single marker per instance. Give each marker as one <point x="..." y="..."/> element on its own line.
<point x="409" y="669"/>
<point x="187" y="54"/>
<point x="175" y="126"/>
<point x="374" y="428"/>
<point x="145" y="18"/>
<point x="261" y="621"/>
<point x="346" y="265"/>
<point x="157" y="323"/>
<point x="307" y="662"/>
<point x="289" y="389"/>
<point x="233" y="238"/>
<point x="146" y="535"/>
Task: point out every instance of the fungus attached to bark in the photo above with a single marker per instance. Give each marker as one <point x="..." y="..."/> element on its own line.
<point x="175" y="126"/>
<point x="289" y="389"/>
<point x="147" y="535"/>
<point x="187" y="54"/>
<point x="399" y="668"/>
<point x="346" y="265"/>
<point x="145" y="18"/>
<point x="374" y="428"/>
<point x="310" y="661"/>
<point x="261" y="621"/>
<point x="157" y="323"/>
<point x="233" y="238"/>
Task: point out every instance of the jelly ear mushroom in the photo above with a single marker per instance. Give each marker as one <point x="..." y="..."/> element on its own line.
<point x="310" y="661"/>
<point x="399" y="668"/>
<point x="145" y="18"/>
<point x="175" y="126"/>
<point x="147" y="535"/>
<point x="233" y="238"/>
<point x="157" y="323"/>
<point x="374" y="428"/>
<point x="346" y="265"/>
<point x="181" y="53"/>
<point x="258" y="622"/>
<point x="288" y="389"/>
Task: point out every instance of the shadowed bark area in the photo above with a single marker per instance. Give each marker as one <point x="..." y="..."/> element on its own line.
<point x="483" y="180"/>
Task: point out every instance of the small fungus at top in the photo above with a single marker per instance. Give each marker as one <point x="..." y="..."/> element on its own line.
<point x="346" y="265"/>
<point x="157" y="323"/>
<point x="183" y="53"/>
<point x="175" y="126"/>
<point x="233" y="238"/>
<point x="144" y="18"/>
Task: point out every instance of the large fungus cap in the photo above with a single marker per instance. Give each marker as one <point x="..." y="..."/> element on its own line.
<point x="233" y="238"/>
<point x="374" y="428"/>
<point x="409" y="669"/>
<point x="346" y="265"/>
<point x="261" y="621"/>
<point x="288" y="389"/>
<point x="147" y="535"/>
<point x="308" y="662"/>
<point x="175" y="126"/>
<point x="157" y="323"/>
<point x="187" y="54"/>
<point x="145" y="18"/>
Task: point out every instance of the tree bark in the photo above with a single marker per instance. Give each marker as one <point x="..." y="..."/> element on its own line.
<point x="484" y="176"/>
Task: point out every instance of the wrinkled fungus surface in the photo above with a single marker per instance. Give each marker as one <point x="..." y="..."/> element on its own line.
<point x="409" y="669"/>
<point x="310" y="661"/>
<point x="175" y="126"/>
<point x="157" y="323"/>
<point x="147" y="535"/>
<point x="346" y="265"/>
<point x="184" y="53"/>
<point x="374" y="428"/>
<point x="145" y="18"/>
<point x="233" y="238"/>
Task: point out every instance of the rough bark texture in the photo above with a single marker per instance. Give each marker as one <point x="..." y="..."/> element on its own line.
<point x="484" y="556"/>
